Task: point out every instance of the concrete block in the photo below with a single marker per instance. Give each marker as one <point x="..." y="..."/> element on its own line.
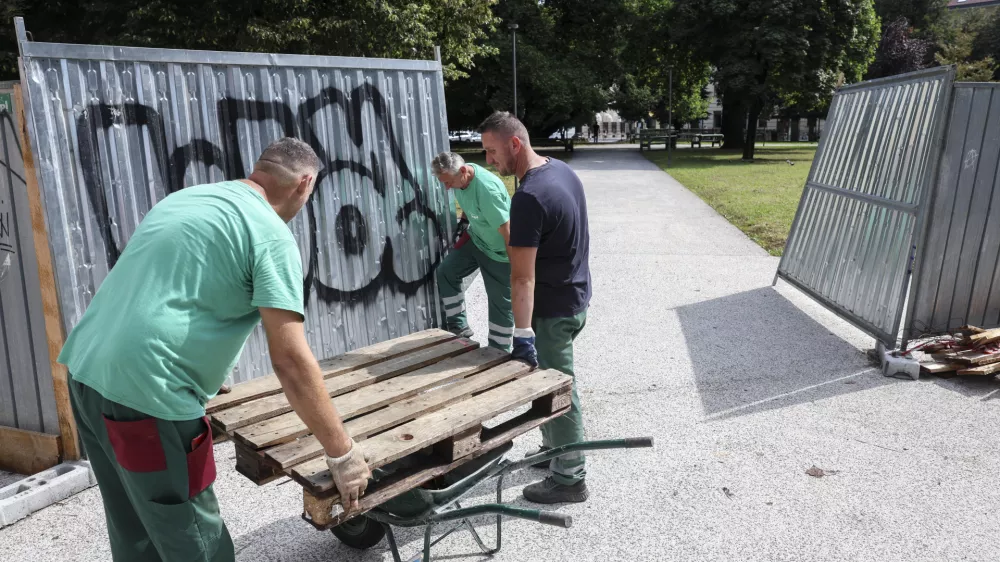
<point x="41" y="490"/>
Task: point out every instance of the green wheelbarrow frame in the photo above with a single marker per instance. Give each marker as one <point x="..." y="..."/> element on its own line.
<point x="429" y="507"/>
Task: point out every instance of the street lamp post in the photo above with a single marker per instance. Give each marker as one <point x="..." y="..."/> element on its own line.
<point x="513" y="42"/>
<point x="670" y="112"/>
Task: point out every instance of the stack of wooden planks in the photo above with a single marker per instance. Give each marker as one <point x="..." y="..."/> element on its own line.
<point x="428" y="394"/>
<point x="973" y="351"/>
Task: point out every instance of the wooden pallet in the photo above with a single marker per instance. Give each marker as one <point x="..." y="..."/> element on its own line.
<point x="428" y="394"/>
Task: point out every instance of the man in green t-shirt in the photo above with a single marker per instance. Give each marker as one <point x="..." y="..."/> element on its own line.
<point x="165" y="328"/>
<point x="485" y="205"/>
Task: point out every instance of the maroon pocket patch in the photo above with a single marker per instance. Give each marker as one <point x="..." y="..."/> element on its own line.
<point x="201" y="463"/>
<point x="137" y="444"/>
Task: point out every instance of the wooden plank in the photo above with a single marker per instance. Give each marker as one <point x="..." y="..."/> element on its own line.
<point x="938" y="367"/>
<point x="458" y="446"/>
<point x="287" y="427"/>
<point x="438" y="426"/>
<point x="968" y="357"/>
<point x="27" y="452"/>
<point x="350" y="361"/>
<point x="319" y="506"/>
<point x="981" y="370"/>
<point x="307" y="448"/>
<point x="983" y="338"/>
<point x="271" y="406"/>
<point x="54" y="333"/>
<point x="251" y="464"/>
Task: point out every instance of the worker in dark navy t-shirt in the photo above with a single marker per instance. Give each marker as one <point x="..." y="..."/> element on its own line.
<point x="550" y="283"/>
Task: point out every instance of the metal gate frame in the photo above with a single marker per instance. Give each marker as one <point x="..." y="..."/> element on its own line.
<point x="917" y="210"/>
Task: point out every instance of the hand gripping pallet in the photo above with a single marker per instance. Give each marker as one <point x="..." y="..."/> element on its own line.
<point x="420" y="404"/>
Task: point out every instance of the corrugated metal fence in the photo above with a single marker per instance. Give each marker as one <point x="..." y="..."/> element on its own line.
<point x="865" y="199"/>
<point x="26" y="396"/>
<point x="957" y="281"/>
<point x="114" y="130"/>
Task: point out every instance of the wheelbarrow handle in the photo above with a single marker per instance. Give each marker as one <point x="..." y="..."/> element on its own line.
<point x="555" y="519"/>
<point x="638" y="442"/>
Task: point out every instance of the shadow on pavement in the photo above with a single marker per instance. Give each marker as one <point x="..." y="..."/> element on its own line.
<point x="600" y="160"/>
<point x="755" y="351"/>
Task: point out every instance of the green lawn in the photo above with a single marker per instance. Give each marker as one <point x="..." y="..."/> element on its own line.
<point x="759" y="198"/>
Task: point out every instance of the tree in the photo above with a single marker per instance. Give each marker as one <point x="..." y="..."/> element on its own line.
<point x="959" y="53"/>
<point x="796" y="51"/>
<point x="370" y="28"/>
<point x="898" y="51"/>
<point x="568" y="60"/>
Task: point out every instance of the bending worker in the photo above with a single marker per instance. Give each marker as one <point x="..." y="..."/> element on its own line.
<point x="550" y="278"/>
<point x="485" y="204"/>
<point x="205" y="266"/>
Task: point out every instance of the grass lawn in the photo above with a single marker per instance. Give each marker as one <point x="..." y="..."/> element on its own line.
<point x="759" y="198"/>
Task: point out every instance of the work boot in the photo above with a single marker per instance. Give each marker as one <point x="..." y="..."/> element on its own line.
<point x="549" y="491"/>
<point x="543" y="464"/>
<point x="465" y="332"/>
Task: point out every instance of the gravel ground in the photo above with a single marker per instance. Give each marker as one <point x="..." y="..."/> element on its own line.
<point x="745" y="388"/>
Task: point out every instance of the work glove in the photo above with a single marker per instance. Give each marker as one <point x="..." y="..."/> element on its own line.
<point x="350" y="474"/>
<point x="524" y="346"/>
<point x="461" y="233"/>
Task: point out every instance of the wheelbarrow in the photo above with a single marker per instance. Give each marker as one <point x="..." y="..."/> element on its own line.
<point x="438" y="502"/>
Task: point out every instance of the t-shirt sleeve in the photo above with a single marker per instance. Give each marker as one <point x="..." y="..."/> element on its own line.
<point x="495" y="206"/>
<point x="526" y="216"/>
<point x="277" y="276"/>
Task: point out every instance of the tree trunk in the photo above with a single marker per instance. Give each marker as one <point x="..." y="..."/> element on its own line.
<point x="733" y="117"/>
<point x="752" y="116"/>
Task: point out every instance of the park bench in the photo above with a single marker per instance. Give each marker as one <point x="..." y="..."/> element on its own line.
<point x="714" y="138"/>
<point x="648" y="136"/>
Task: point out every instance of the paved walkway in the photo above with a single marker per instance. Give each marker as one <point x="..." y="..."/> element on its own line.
<point x="744" y="388"/>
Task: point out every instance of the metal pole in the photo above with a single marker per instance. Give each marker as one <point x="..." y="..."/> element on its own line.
<point x="513" y="41"/>
<point x="670" y="126"/>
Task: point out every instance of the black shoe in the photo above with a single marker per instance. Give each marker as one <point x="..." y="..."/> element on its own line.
<point x="543" y="464"/>
<point x="549" y="491"/>
<point x="465" y="332"/>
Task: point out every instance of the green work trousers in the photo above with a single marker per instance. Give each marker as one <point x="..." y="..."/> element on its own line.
<point x="155" y="477"/>
<point x="554" y="342"/>
<point x="458" y="265"/>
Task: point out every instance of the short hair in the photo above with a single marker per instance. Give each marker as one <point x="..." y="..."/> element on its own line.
<point x="447" y="163"/>
<point x="506" y="124"/>
<point x="291" y="154"/>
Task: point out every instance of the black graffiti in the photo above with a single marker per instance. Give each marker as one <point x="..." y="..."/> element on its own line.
<point x="7" y="154"/>
<point x="352" y="230"/>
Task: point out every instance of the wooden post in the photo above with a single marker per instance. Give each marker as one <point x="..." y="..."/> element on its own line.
<point x="54" y="333"/>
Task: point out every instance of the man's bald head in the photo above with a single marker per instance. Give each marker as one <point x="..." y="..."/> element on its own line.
<point x="286" y="171"/>
<point x="287" y="160"/>
<point x="504" y="125"/>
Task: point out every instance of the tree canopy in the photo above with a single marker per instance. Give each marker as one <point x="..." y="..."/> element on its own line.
<point x="372" y="28"/>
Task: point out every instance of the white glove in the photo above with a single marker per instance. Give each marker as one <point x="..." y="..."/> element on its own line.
<point x="350" y="474"/>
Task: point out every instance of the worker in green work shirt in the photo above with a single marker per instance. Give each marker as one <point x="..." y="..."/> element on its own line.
<point x="204" y="268"/>
<point x="485" y="204"/>
<point x="550" y="280"/>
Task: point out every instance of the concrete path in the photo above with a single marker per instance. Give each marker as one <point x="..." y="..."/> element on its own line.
<point x="744" y="387"/>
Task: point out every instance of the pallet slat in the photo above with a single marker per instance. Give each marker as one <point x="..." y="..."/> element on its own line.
<point x="968" y="357"/>
<point x="286" y="427"/>
<point x="438" y="426"/>
<point x="350" y="361"/>
<point x="319" y="508"/>
<point x="981" y="370"/>
<point x="270" y="406"/>
<point x="306" y="448"/>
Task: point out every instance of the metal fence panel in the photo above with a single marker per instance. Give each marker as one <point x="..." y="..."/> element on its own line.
<point x="26" y="396"/>
<point x="863" y="206"/>
<point x="956" y="277"/>
<point x="114" y="130"/>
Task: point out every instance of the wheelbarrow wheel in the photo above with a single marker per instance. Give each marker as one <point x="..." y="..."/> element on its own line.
<point x="360" y="532"/>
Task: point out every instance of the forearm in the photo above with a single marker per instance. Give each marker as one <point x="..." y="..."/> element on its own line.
<point x="302" y="381"/>
<point x="523" y="301"/>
